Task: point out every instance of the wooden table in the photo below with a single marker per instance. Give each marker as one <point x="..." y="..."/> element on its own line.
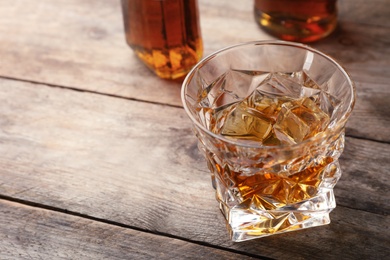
<point x="97" y="157"/>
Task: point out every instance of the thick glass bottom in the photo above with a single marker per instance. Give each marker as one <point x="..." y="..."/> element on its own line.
<point x="245" y="223"/>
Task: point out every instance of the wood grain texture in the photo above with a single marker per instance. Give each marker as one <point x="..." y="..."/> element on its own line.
<point x="374" y="13"/>
<point x="44" y="234"/>
<point x="76" y="137"/>
<point x="86" y="50"/>
<point x="137" y="163"/>
<point x="65" y="43"/>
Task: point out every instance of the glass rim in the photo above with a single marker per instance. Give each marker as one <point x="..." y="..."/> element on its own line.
<point x="317" y="138"/>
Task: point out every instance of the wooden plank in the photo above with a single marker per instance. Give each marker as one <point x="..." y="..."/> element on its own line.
<point x="79" y="48"/>
<point x="363" y="176"/>
<point x="370" y="118"/>
<point x="107" y="65"/>
<point x="77" y="44"/>
<point x="137" y="164"/>
<point x="374" y="12"/>
<point x="45" y="234"/>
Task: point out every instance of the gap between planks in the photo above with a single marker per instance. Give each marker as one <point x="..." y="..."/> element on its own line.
<point x="138" y="100"/>
<point x="88" y="91"/>
<point x="118" y="224"/>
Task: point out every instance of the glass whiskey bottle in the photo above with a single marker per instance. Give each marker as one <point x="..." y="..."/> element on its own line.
<point x="164" y="34"/>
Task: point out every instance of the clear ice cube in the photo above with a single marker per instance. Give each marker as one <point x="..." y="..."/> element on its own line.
<point x="272" y="108"/>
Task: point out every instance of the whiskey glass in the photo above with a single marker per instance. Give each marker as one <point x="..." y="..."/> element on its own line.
<point x="269" y="117"/>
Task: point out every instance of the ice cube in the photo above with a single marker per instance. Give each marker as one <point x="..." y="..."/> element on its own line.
<point x="276" y="85"/>
<point x="299" y="120"/>
<point x="246" y="123"/>
<point x="303" y="78"/>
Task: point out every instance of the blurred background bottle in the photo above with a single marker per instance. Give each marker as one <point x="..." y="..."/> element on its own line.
<point x="297" y="20"/>
<point x="165" y="34"/>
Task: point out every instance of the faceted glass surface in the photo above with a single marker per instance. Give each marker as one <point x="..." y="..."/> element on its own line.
<point x="270" y="120"/>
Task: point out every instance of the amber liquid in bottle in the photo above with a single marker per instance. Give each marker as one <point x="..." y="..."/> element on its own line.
<point x="164" y="34"/>
<point x="297" y="20"/>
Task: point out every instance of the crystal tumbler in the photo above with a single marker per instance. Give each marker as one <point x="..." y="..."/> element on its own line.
<point x="270" y="117"/>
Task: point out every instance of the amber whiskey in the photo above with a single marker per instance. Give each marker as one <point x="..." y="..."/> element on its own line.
<point x="164" y="34"/>
<point x="297" y="20"/>
<point x="286" y="185"/>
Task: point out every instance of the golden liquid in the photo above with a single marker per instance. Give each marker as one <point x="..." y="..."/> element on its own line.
<point x="297" y="20"/>
<point x="274" y="122"/>
<point x="282" y="120"/>
<point x="260" y="183"/>
<point x="270" y="191"/>
<point x="164" y="34"/>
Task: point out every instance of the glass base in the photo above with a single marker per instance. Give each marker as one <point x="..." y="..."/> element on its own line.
<point x="244" y="222"/>
<point x="281" y="223"/>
